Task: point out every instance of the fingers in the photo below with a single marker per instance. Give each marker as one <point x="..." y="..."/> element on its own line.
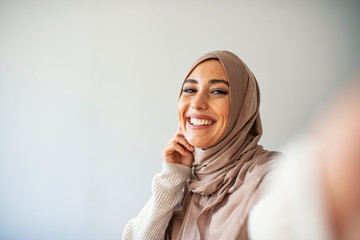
<point x="179" y="144"/>
<point x="178" y="150"/>
<point x="172" y="148"/>
<point x="179" y="138"/>
<point x="179" y="129"/>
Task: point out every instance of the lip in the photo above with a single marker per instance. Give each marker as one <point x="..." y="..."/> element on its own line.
<point x="195" y="127"/>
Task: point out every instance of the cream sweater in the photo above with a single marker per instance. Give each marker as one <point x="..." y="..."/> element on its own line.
<point x="167" y="192"/>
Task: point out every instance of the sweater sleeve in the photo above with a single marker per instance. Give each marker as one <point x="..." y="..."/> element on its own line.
<point x="154" y="218"/>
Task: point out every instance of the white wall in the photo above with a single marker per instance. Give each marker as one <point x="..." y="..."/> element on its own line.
<point x="88" y="95"/>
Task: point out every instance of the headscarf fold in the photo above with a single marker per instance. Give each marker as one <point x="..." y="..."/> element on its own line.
<point x="236" y="165"/>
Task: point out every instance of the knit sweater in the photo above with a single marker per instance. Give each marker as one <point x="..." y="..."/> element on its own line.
<point x="154" y="218"/>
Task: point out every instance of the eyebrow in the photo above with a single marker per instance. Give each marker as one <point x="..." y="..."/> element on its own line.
<point x="212" y="81"/>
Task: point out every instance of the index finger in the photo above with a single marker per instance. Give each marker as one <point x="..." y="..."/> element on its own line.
<point x="179" y="130"/>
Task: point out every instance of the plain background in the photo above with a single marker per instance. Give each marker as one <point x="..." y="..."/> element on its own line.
<point x="89" y="89"/>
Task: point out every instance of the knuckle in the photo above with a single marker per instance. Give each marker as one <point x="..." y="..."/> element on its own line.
<point x="179" y="135"/>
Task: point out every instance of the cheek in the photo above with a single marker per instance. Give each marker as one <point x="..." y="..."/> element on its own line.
<point x="224" y="112"/>
<point x="181" y="110"/>
<point x="226" y="115"/>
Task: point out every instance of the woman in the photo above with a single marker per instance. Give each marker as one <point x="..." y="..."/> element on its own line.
<point x="213" y="167"/>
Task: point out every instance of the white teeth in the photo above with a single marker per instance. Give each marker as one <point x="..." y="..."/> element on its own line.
<point x="200" y="122"/>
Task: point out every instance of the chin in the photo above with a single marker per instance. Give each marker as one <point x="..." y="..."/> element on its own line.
<point x="199" y="144"/>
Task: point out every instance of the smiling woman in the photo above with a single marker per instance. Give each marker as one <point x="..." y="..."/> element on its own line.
<point x="213" y="166"/>
<point x="204" y="104"/>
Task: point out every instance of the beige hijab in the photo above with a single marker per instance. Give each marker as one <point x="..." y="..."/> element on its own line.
<point x="226" y="177"/>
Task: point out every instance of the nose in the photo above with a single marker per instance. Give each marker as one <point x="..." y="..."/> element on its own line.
<point x="199" y="102"/>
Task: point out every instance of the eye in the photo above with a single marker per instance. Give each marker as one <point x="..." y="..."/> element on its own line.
<point x="189" y="90"/>
<point x="219" y="91"/>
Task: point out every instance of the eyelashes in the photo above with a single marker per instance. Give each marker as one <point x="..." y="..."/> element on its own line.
<point x="189" y="90"/>
<point x="216" y="91"/>
<point x="219" y="91"/>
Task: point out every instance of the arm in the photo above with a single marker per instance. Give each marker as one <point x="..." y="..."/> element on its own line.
<point x="153" y="219"/>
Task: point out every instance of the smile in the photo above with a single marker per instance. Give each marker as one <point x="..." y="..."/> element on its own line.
<point x="200" y="122"/>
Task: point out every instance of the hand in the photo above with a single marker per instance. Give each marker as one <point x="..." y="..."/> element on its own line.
<point x="178" y="150"/>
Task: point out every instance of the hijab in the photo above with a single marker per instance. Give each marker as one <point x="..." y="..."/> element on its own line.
<point x="225" y="180"/>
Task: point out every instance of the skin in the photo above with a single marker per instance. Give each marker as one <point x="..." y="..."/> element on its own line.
<point x="205" y="96"/>
<point x="338" y="131"/>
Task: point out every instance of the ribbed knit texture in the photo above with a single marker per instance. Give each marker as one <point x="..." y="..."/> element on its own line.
<point x="167" y="192"/>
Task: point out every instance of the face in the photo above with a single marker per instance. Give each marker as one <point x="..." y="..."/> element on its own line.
<point x="204" y="104"/>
